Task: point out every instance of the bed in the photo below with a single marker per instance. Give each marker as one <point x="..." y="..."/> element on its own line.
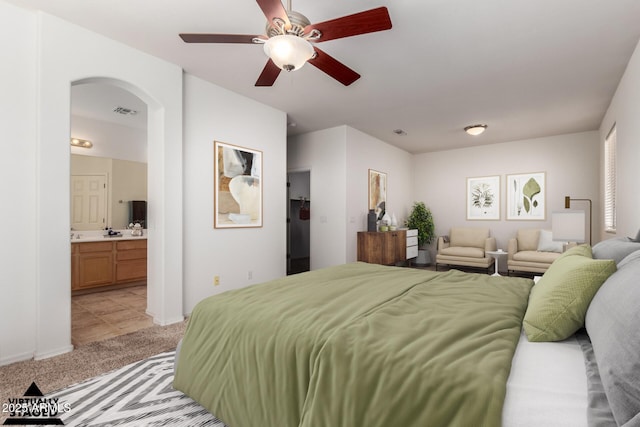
<point x="367" y="345"/>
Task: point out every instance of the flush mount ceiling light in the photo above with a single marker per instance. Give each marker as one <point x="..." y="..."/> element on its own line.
<point x="82" y="143"/>
<point x="399" y="132"/>
<point x="475" y="130"/>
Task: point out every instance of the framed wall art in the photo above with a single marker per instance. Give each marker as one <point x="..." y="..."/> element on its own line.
<point x="237" y="186"/>
<point x="377" y="192"/>
<point x="526" y="196"/>
<point x="483" y="198"/>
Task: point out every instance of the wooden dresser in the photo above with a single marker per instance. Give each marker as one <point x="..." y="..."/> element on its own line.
<point x="386" y="247"/>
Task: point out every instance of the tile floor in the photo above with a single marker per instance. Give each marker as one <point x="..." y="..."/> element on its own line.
<point x="101" y="315"/>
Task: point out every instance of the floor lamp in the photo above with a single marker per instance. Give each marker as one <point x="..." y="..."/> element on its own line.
<point x="567" y="205"/>
<point x="569" y="225"/>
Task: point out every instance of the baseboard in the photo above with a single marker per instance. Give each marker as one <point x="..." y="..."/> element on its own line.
<point x="36" y="356"/>
<point x="169" y="321"/>
<point x="57" y="352"/>
<point x="16" y="358"/>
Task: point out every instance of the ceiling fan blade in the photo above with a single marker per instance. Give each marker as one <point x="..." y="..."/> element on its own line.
<point x="269" y="74"/>
<point x="274" y="9"/>
<point x="218" y="38"/>
<point x="334" y="68"/>
<point x="365" y="22"/>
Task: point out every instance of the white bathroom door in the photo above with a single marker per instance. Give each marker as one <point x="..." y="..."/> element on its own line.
<point x="88" y="202"/>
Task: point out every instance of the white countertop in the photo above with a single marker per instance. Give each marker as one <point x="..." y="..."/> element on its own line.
<point x="98" y="236"/>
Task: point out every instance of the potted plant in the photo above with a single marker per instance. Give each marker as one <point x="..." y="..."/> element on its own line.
<point x="421" y="219"/>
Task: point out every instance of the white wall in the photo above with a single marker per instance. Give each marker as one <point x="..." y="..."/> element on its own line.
<point x="109" y="139"/>
<point x="215" y="114"/>
<point x="324" y="154"/>
<point x="44" y="53"/>
<point x="624" y="111"/>
<point x="17" y="183"/>
<point x="365" y="152"/>
<point x="339" y="160"/>
<point x="35" y="274"/>
<point x="159" y="84"/>
<point x="569" y="161"/>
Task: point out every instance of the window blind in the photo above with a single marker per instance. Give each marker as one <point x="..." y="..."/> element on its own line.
<point x="610" y="181"/>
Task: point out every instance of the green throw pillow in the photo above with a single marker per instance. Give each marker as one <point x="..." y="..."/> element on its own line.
<point x="559" y="301"/>
<point x="582" y="250"/>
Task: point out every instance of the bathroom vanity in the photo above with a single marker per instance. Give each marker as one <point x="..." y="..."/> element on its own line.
<point x="101" y="261"/>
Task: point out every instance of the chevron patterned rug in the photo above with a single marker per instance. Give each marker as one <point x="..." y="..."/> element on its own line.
<point x="139" y="394"/>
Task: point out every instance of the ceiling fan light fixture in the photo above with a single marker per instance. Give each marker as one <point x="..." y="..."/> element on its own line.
<point x="288" y="52"/>
<point x="475" y="130"/>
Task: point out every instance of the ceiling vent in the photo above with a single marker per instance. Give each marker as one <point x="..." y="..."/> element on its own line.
<point x="125" y="111"/>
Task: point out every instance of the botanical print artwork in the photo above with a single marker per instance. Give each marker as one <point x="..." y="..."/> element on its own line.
<point x="483" y="198"/>
<point x="526" y="196"/>
<point x="237" y="186"/>
<point x="377" y="192"/>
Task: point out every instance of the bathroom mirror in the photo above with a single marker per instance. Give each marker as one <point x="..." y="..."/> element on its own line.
<point x="102" y="189"/>
<point x="110" y="174"/>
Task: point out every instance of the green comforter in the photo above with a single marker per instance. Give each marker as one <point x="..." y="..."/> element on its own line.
<point x="357" y="345"/>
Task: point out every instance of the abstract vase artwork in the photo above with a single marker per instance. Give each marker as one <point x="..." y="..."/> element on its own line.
<point x="237" y="186"/>
<point x="378" y="192"/>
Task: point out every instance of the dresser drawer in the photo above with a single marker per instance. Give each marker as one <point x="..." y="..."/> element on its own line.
<point x="95" y="247"/>
<point x="412" y="233"/>
<point x="131" y="254"/>
<point x="125" y="245"/>
<point x="412" y="241"/>
<point x="412" y="252"/>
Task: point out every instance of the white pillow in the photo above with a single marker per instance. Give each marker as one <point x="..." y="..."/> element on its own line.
<point x="546" y="243"/>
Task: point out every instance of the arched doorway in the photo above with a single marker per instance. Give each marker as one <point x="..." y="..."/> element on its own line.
<point x="108" y="180"/>
<point x="74" y="55"/>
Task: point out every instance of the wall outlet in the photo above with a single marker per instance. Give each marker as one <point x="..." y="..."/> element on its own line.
<point x="216" y="280"/>
<point x="250" y="275"/>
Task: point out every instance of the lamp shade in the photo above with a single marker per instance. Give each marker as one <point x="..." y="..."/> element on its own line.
<point x="568" y="225"/>
<point x="288" y="52"/>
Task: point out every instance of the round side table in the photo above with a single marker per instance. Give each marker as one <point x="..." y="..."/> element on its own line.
<point x="496" y="255"/>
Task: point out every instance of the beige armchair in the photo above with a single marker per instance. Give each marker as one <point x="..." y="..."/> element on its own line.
<point x="533" y="250"/>
<point x="466" y="247"/>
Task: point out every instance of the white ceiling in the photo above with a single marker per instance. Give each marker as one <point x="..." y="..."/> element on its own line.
<point x="526" y="68"/>
<point x="98" y="101"/>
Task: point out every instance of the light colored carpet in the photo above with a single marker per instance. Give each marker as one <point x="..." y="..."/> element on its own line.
<point x="86" y="361"/>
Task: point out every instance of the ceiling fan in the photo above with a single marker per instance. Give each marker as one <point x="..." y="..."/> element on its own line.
<point x="289" y="35"/>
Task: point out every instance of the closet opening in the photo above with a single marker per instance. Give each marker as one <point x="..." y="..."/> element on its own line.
<point x="299" y="214"/>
